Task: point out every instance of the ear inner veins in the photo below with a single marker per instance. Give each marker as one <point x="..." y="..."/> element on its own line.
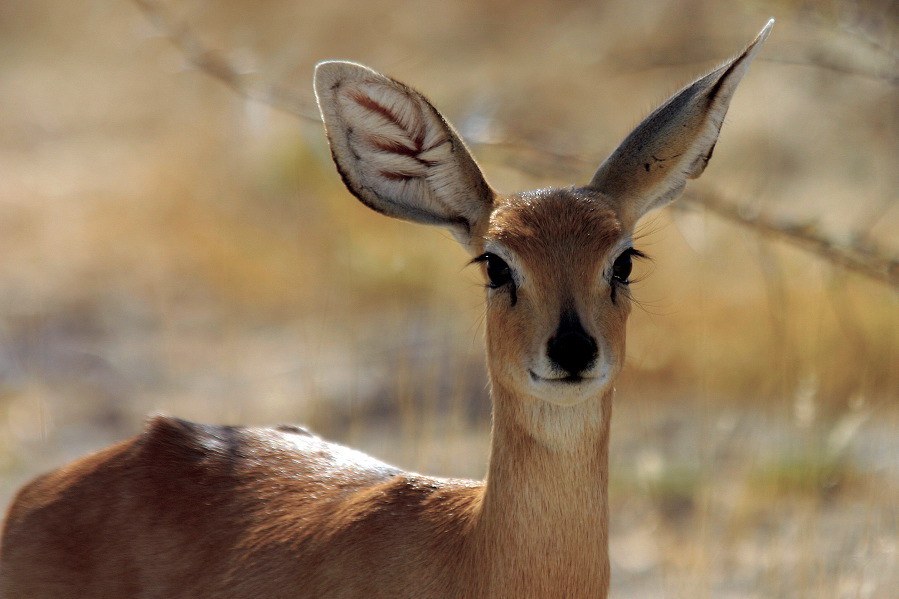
<point x="369" y="103"/>
<point x="409" y="144"/>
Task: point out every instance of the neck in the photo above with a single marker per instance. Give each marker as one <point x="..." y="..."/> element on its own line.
<point x="544" y="519"/>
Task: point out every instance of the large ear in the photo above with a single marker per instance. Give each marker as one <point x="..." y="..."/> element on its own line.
<point x="651" y="166"/>
<point x="397" y="154"/>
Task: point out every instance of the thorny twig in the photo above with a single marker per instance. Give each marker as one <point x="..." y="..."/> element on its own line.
<point x="859" y="259"/>
<point x="829" y="64"/>
<point x="215" y="65"/>
<point x="534" y="160"/>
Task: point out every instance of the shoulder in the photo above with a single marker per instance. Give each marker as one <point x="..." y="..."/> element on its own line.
<point x="285" y="450"/>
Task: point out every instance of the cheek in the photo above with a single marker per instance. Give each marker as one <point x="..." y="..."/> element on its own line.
<point x="619" y="336"/>
<point x="612" y="322"/>
<point x="510" y="331"/>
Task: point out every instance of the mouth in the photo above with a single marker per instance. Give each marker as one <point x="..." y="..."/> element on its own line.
<point x="572" y="379"/>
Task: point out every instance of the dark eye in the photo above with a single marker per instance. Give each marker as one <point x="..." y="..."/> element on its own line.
<point x="621" y="270"/>
<point x="497" y="270"/>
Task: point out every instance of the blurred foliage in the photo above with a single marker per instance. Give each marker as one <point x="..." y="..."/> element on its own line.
<point x="814" y="473"/>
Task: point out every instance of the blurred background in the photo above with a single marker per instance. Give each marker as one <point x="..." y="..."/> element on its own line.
<point x="169" y="244"/>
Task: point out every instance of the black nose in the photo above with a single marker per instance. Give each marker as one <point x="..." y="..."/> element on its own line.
<point x="572" y="348"/>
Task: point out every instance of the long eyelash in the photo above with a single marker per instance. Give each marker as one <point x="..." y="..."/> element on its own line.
<point x="635" y="253"/>
<point x="625" y="289"/>
<point x="513" y="290"/>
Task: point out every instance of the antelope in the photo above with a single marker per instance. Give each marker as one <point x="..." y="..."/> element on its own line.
<point x="189" y="510"/>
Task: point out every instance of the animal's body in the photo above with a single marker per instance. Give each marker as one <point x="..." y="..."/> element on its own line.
<point x="185" y="510"/>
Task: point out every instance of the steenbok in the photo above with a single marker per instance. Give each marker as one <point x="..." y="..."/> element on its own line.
<point x="189" y="510"/>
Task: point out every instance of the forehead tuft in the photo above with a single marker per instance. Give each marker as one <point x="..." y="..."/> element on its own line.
<point x="552" y="220"/>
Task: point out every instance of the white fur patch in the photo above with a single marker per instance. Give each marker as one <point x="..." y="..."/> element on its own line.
<point x="396" y="152"/>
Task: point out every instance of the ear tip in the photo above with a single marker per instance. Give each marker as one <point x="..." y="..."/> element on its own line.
<point x="763" y="34"/>
<point x="748" y="54"/>
<point x="330" y="72"/>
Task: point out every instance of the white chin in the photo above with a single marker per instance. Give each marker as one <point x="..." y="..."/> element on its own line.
<point x="567" y="391"/>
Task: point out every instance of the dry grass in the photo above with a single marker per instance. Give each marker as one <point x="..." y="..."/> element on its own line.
<point x="168" y="246"/>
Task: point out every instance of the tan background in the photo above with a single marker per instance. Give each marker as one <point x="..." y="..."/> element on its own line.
<point x="167" y="246"/>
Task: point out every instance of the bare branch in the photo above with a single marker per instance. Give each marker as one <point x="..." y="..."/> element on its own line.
<point x="878" y="63"/>
<point x="215" y="65"/>
<point x="531" y="159"/>
<point x="863" y="260"/>
<point x="822" y="61"/>
<point x="803" y="57"/>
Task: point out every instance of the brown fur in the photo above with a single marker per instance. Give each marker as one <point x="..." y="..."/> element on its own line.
<point x="190" y="511"/>
<point x="276" y="513"/>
